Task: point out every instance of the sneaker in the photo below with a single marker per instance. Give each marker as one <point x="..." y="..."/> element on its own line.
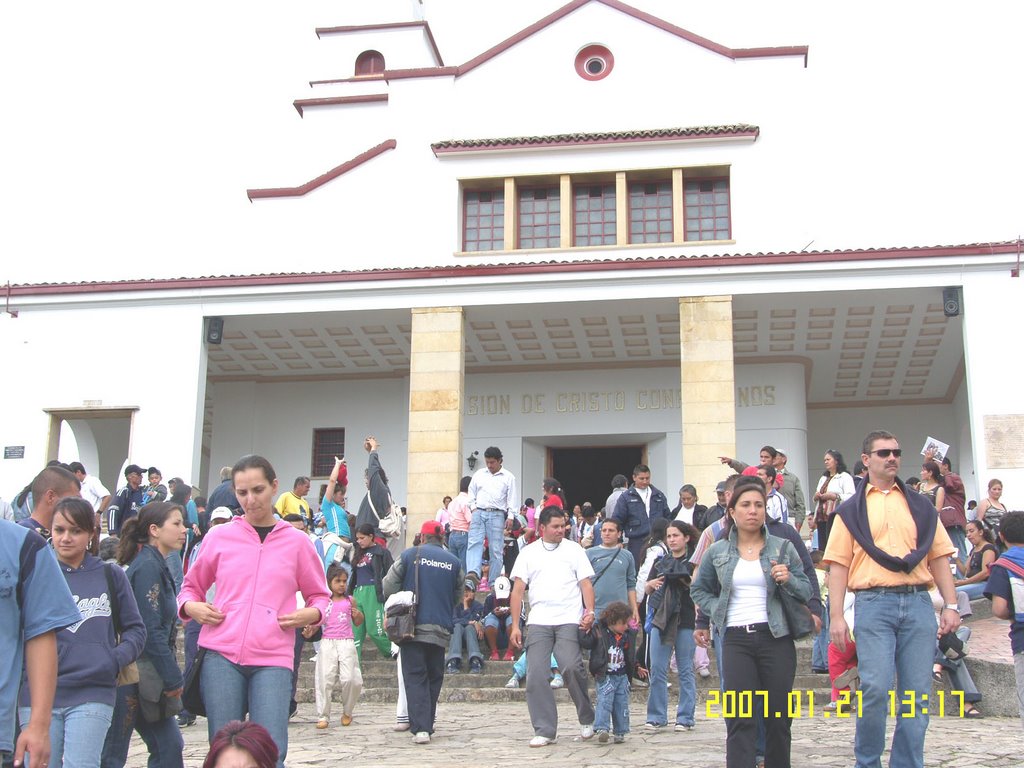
<point x="557" y="681"/>
<point x="602" y="737"/>
<point x="421" y="738"/>
<point x="509" y="656"/>
<point x="185" y="719"/>
<point x="313" y="657"/>
<point x="322" y="724"/>
<point x="653" y="726"/>
<point x="619" y="739"/>
<point x="453" y="667"/>
<point x="680" y="728"/>
<point x="401" y="727"/>
<point x="587" y="731"/>
<point x="476" y="666"/>
<point x="495" y="656"/>
<point x="541" y="741"/>
<point x="513" y="682"/>
<point x="346" y="720"/>
<point x="848" y="679"/>
<point x="704" y="672"/>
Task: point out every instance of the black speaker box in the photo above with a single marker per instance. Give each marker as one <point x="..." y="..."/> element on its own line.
<point x="214" y="330"/>
<point x="951" y="302"/>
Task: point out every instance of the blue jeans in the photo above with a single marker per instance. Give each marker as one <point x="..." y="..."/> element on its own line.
<point x="657" y="698"/>
<point x="163" y="739"/>
<point x="457" y="543"/>
<point x="959" y="539"/>
<point x="191" y="649"/>
<point x="974" y="591"/>
<point x="76" y="734"/>
<point x="519" y="667"/>
<point x="612" y="704"/>
<point x="895" y="641"/>
<point x="489" y="523"/>
<point x="237" y="690"/>
<point x="819" y="655"/>
<point x="464" y="635"/>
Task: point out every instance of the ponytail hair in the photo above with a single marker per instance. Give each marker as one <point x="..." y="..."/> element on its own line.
<point x="135" y="532"/>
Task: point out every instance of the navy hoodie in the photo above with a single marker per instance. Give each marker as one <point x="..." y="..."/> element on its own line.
<point x="88" y="654"/>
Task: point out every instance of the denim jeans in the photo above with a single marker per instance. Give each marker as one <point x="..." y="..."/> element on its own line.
<point x="76" y="734"/>
<point x="959" y="539"/>
<point x="489" y="523"/>
<point x="973" y="591"/>
<point x="895" y="636"/>
<point x="519" y="667"/>
<point x="612" y="710"/>
<point x="231" y="691"/>
<point x="657" y="697"/>
<point x="464" y="636"/>
<point x="457" y="543"/>
<point x="819" y="654"/>
<point x="191" y="649"/>
<point x="164" y="741"/>
<point x="959" y="676"/>
<point x="122" y="725"/>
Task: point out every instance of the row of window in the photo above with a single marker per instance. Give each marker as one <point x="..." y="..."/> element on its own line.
<point x="650" y="208"/>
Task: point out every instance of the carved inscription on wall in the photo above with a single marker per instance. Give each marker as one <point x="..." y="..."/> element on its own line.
<point x="1004" y="441"/>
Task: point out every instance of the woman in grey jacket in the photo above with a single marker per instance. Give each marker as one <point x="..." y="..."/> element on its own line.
<point x="736" y="587"/>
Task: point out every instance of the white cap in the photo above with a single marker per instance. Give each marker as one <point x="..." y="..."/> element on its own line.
<point x="221" y="513"/>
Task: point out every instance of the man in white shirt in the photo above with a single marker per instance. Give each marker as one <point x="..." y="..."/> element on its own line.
<point x="558" y="573"/>
<point x="494" y="501"/>
<point x="96" y="494"/>
<point x="775" y="505"/>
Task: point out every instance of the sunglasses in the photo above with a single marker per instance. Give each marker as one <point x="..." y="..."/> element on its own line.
<point x="885" y="453"/>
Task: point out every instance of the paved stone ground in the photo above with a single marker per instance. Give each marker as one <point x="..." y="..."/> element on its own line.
<point x="492" y="734"/>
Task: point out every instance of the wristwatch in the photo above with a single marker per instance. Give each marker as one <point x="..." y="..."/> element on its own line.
<point x="951" y="607"/>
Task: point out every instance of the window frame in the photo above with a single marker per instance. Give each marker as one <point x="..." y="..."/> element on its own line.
<point x="549" y="186"/>
<point x="602" y="182"/>
<point x="478" y="189"/>
<point x="718" y="175"/>
<point x="644" y="181"/>
<point x="371" y="56"/>
<point x="317" y="451"/>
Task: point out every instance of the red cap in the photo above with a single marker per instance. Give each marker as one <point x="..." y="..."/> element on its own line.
<point x="432" y="528"/>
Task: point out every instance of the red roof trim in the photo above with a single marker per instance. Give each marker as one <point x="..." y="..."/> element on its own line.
<point x="320" y="31"/>
<point x="527" y="143"/>
<point x="333" y="101"/>
<point x="319" y="181"/>
<point x="565" y="10"/>
<point x="548" y="267"/>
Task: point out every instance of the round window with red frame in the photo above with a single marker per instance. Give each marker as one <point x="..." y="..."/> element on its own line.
<point x="594" y="62"/>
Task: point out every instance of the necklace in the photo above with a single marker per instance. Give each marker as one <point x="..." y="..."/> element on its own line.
<point x="549" y="548"/>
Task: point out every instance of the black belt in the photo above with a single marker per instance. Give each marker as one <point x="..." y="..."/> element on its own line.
<point x="903" y="589"/>
<point x="749" y="628"/>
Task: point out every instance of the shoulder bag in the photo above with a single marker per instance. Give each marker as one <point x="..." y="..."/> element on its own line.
<point x="400" y="620"/>
<point x="798" y="615"/>
<point x="191" y="693"/>
<point x="391" y="525"/>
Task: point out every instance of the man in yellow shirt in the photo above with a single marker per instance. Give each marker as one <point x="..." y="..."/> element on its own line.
<point x="293" y="501"/>
<point x="886" y="546"/>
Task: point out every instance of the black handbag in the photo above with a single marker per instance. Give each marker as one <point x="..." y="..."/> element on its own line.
<point x="192" y="694"/>
<point x="798" y="615"/>
<point x="400" y="620"/>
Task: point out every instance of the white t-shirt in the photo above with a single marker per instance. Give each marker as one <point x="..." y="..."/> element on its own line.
<point x="94" y="491"/>
<point x="748" y="602"/>
<point x="553" y="577"/>
<point x="686" y="515"/>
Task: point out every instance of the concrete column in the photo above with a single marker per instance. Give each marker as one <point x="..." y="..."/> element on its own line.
<point x="436" y="392"/>
<point x="707" y="382"/>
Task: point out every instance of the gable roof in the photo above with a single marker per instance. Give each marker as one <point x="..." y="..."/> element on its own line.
<point x="319" y="181"/>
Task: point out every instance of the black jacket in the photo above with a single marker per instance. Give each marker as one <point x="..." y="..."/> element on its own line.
<point x="381" y="563"/>
<point x="598" y="640"/>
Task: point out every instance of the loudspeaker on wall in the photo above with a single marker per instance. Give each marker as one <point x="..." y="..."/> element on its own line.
<point x="214" y="330"/>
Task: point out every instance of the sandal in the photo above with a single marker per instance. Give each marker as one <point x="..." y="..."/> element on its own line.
<point x="973" y="712"/>
<point x="937" y="677"/>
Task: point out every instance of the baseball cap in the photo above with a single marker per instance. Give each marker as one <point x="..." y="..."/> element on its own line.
<point x="720" y="488"/>
<point x="221" y="513"/>
<point x="502" y="587"/>
<point x="783" y="451"/>
<point x="432" y="528"/>
<point x="134" y="469"/>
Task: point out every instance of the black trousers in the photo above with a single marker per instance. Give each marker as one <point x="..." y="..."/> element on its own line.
<point x="757" y="661"/>
<point x="423" y="673"/>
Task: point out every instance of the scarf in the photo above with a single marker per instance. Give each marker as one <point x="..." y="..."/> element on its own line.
<point x="854" y="512"/>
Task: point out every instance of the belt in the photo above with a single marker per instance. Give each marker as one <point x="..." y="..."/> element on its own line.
<point x="748" y="628"/>
<point x="903" y="589"/>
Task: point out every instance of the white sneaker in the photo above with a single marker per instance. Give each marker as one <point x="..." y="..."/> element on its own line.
<point x="541" y="741"/>
<point x="618" y="739"/>
<point x="513" y="682"/>
<point x="680" y="728"/>
<point x="587" y="731"/>
<point x="704" y="672"/>
<point x="421" y="738"/>
<point x="401" y="727"/>
<point x="557" y="681"/>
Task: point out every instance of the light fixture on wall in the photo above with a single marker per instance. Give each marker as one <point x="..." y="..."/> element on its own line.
<point x="471" y="460"/>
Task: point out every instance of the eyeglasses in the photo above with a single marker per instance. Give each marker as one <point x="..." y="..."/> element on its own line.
<point x="885" y="453"/>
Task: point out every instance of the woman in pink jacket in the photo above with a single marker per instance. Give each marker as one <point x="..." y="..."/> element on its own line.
<point x="258" y="563"/>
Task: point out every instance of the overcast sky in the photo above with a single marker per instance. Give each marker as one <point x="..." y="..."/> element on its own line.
<point x="132" y="129"/>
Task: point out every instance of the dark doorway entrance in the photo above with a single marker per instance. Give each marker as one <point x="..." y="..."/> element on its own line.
<point x="586" y="473"/>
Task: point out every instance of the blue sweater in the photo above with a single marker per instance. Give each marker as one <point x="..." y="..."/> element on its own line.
<point x="89" y="656"/>
<point x="153" y="588"/>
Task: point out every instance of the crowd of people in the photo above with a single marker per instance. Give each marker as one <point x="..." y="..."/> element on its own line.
<point x="621" y="593"/>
